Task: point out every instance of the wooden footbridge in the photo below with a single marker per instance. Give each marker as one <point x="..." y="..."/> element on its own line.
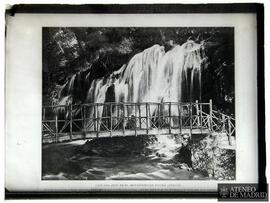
<point x="95" y="120"/>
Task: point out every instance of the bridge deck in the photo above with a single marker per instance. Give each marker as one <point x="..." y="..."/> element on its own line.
<point x="92" y="135"/>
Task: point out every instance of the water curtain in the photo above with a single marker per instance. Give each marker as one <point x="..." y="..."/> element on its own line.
<point x="152" y="75"/>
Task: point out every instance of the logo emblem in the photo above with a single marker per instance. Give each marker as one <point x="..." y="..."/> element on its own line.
<point x="223" y="192"/>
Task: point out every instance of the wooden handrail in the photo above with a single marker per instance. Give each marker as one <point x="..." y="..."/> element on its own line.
<point x="110" y="116"/>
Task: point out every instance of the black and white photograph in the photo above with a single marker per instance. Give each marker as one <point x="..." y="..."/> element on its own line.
<point x="138" y="103"/>
<point x="158" y="100"/>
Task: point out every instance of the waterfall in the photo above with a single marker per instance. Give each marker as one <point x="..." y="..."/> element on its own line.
<point x="150" y="76"/>
<point x="154" y="76"/>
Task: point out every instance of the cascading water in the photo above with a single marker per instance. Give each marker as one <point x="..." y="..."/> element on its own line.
<point x="154" y="76"/>
<point x="150" y="76"/>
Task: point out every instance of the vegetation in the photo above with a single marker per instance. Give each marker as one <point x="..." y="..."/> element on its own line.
<point x="212" y="161"/>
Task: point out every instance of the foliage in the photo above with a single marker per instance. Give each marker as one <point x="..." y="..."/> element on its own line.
<point x="213" y="161"/>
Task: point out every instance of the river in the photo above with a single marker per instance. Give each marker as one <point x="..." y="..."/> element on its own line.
<point x="127" y="158"/>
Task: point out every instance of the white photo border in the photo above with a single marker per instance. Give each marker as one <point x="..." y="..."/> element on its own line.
<point x="24" y="97"/>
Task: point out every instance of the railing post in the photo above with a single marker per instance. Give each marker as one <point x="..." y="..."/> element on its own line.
<point x="180" y="118"/>
<point x="94" y="116"/>
<point x="211" y="115"/>
<point x="147" y="124"/>
<point x="159" y="121"/>
<point x="170" y="113"/>
<point x="223" y="122"/>
<point x="44" y="111"/>
<point x="124" y="119"/>
<point x="135" y="119"/>
<point x="139" y="106"/>
<point x="118" y="114"/>
<point x="201" y="117"/>
<point x="197" y="113"/>
<point x="190" y="114"/>
<point x="71" y="122"/>
<point x="83" y="120"/>
<point x="150" y="116"/>
<point x="43" y="120"/>
<point x="111" y="122"/>
<point x="96" y="119"/>
<point x="56" y="128"/>
<point x="230" y="130"/>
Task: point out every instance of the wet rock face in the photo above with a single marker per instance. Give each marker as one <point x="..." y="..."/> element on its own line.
<point x="183" y="157"/>
<point x="202" y="154"/>
<point x="213" y="161"/>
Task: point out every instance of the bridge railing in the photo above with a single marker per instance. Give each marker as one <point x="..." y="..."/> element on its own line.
<point x="136" y="118"/>
<point x="223" y="123"/>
